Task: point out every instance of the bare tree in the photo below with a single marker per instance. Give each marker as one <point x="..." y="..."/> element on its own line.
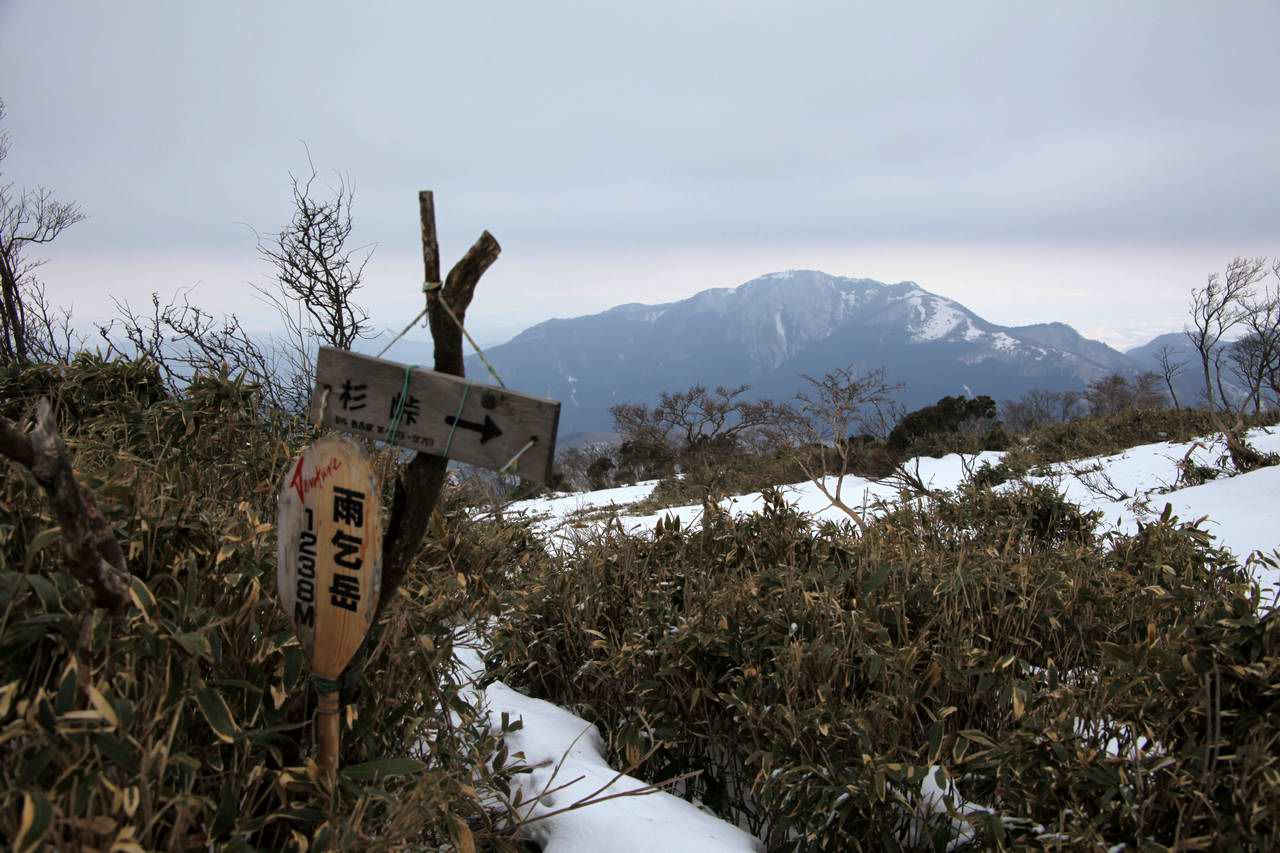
<point x="1039" y="407"/>
<point x="1147" y="393"/>
<point x="697" y="417"/>
<point x="1116" y="393"/>
<point x="1216" y="309"/>
<point x="1224" y="304"/>
<point x="700" y="429"/>
<point x="1070" y="404"/>
<point x="1170" y="370"/>
<point x="1109" y="395"/>
<point x="316" y="278"/>
<point x="585" y="466"/>
<point x="29" y="328"/>
<point x="316" y="274"/>
<point x="1272" y="323"/>
<point x="831" y="416"/>
<point x="1255" y="357"/>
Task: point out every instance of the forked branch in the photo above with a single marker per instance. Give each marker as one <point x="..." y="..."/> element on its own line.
<point x="418" y="488"/>
<point x="88" y="546"/>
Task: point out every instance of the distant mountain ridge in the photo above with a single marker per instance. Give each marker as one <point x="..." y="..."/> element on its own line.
<point x="773" y="329"/>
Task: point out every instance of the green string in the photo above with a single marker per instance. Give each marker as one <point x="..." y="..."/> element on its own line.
<point x="325" y="685"/>
<point x="457" y="417"/>
<point x="393" y="428"/>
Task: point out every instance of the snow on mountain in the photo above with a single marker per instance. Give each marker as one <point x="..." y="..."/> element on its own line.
<point x="773" y="329"/>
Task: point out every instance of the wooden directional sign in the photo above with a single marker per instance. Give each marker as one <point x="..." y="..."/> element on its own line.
<point x="442" y="415"/>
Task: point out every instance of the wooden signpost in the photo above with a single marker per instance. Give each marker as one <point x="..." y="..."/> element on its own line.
<point x="438" y="414"/>
<point x="329" y="568"/>
<point x="329" y="528"/>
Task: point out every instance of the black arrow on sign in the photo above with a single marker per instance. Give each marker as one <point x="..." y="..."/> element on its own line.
<point x="487" y="430"/>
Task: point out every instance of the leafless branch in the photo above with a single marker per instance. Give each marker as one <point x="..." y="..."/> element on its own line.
<point x="88" y="546"/>
<point x="830" y="422"/>
<point x="27" y="218"/>
<point x="316" y="275"/>
<point x="184" y="341"/>
<point x="1170" y="370"/>
<point x="1216" y="309"/>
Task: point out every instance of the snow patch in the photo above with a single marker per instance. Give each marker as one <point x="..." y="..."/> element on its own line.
<point x="1004" y="342"/>
<point x="1126" y="488"/>
<point x="566" y="754"/>
<point x="942" y="320"/>
<point x="567" y="757"/>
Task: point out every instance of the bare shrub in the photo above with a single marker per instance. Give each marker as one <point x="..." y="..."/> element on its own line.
<point x="701" y="429"/>
<point x="1039" y="407"/>
<point x="316" y="274"/>
<point x="30" y="328"/>
<point x="1116" y="392"/>
<point x="184" y="341"/>
<point x="832" y="420"/>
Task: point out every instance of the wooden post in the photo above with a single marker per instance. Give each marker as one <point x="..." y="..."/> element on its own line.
<point x="430" y="245"/>
<point x="418" y="488"/>
<point x="328" y="733"/>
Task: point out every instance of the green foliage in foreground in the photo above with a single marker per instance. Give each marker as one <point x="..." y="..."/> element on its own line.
<point x="813" y="676"/>
<point x="186" y="723"/>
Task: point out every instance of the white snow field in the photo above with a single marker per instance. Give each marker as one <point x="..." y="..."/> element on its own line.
<point x="1242" y="513"/>
<point x="556" y="509"/>
<point x="566" y="753"/>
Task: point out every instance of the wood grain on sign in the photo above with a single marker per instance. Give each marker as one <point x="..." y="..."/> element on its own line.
<point x="330" y="551"/>
<point x="444" y="415"/>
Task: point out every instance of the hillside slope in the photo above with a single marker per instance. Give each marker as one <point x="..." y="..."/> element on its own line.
<point x="772" y="330"/>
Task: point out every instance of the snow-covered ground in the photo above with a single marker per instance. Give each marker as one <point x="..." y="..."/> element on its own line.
<point x="1243" y="511"/>
<point x="550" y="513"/>
<point x="574" y="802"/>
<point x="1243" y="514"/>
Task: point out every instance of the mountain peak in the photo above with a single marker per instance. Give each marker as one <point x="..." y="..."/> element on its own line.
<point x="773" y="329"/>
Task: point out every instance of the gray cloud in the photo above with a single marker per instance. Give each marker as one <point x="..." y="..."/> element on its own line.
<point x="665" y="125"/>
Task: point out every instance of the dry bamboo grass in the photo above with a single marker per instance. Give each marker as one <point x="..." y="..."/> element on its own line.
<point x="184" y="721"/>
<point x="814" y="675"/>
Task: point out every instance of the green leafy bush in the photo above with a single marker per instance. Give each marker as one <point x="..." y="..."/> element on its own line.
<point x="942" y="421"/>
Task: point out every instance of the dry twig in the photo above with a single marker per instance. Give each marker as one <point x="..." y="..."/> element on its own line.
<point x="88" y="546"/>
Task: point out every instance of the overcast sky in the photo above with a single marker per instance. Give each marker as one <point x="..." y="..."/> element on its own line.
<point x="1085" y="162"/>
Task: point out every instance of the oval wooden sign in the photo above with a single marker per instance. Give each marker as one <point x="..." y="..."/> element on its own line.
<point x="329" y="571"/>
